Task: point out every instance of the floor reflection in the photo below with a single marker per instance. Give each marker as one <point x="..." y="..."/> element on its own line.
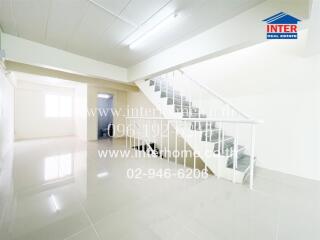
<point x="47" y="183"/>
<point x="58" y="167"/>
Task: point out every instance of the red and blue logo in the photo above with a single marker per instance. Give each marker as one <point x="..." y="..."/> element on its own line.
<point x="282" y="26"/>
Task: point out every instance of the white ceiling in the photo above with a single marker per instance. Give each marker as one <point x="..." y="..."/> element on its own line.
<point x="98" y="28"/>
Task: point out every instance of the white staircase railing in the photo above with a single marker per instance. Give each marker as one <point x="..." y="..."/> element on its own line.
<point x="203" y="119"/>
<point x="157" y="130"/>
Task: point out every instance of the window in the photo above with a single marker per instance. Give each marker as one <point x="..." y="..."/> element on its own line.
<point x="58" y="106"/>
<point x="56" y="167"/>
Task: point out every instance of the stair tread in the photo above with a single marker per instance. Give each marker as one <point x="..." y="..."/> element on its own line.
<point x="201" y="126"/>
<point x="213" y="136"/>
<point x="243" y="163"/>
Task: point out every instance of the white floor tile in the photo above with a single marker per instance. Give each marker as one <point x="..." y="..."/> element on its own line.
<point x="86" y="234"/>
<point x="91" y="198"/>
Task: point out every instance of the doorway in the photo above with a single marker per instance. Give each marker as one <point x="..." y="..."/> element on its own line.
<point x="105" y="115"/>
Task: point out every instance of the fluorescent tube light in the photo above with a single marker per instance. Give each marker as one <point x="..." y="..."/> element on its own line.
<point x="102" y="175"/>
<point x="106" y="96"/>
<point x="161" y="27"/>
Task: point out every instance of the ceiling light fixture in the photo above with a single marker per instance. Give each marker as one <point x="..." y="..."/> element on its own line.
<point x="102" y="174"/>
<point x="161" y="27"/>
<point x="106" y="96"/>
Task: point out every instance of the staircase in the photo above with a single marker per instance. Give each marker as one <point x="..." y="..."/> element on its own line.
<point x="207" y="122"/>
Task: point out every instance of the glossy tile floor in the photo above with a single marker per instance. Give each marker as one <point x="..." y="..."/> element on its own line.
<point x="60" y="189"/>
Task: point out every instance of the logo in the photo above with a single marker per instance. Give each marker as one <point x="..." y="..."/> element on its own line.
<point x="282" y="26"/>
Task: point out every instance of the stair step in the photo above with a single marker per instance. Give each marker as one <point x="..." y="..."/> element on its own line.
<point x="177" y="94"/>
<point x="169" y="101"/>
<point x="195" y="115"/>
<point x="178" y="108"/>
<point x="202" y="125"/>
<point x="228" y="150"/>
<point x="213" y="136"/>
<point x="157" y="86"/>
<point x="163" y="87"/>
<point x="193" y="110"/>
<point x="186" y="104"/>
<point x="177" y="101"/>
<point x="210" y="136"/>
<point x="242" y="164"/>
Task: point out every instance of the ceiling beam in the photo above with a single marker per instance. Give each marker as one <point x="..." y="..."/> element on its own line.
<point x="24" y="51"/>
<point x="39" y="71"/>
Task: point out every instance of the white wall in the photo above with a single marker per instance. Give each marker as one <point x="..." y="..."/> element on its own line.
<point x="140" y="106"/>
<point x="6" y="112"/>
<point x="314" y="30"/>
<point x="138" y="102"/>
<point x="80" y="111"/>
<point x="30" y="120"/>
<point x="273" y="81"/>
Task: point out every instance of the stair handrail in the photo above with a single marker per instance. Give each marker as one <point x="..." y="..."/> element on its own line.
<point x="211" y="92"/>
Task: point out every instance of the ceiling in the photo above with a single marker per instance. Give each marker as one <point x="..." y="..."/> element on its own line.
<point x="98" y="28"/>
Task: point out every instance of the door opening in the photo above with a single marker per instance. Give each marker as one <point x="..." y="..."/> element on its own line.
<point x="105" y="115"/>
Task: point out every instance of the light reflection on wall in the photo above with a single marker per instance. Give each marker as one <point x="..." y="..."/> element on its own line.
<point x="58" y="166"/>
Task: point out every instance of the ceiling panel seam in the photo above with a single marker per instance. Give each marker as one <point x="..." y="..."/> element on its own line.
<point x="148" y="19"/>
<point x="14" y="18"/>
<point x="113" y="14"/>
<point x="76" y="27"/>
<point x="127" y="4"/>
<point x="125" y="7"/>
<point x="48" y="18"/>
